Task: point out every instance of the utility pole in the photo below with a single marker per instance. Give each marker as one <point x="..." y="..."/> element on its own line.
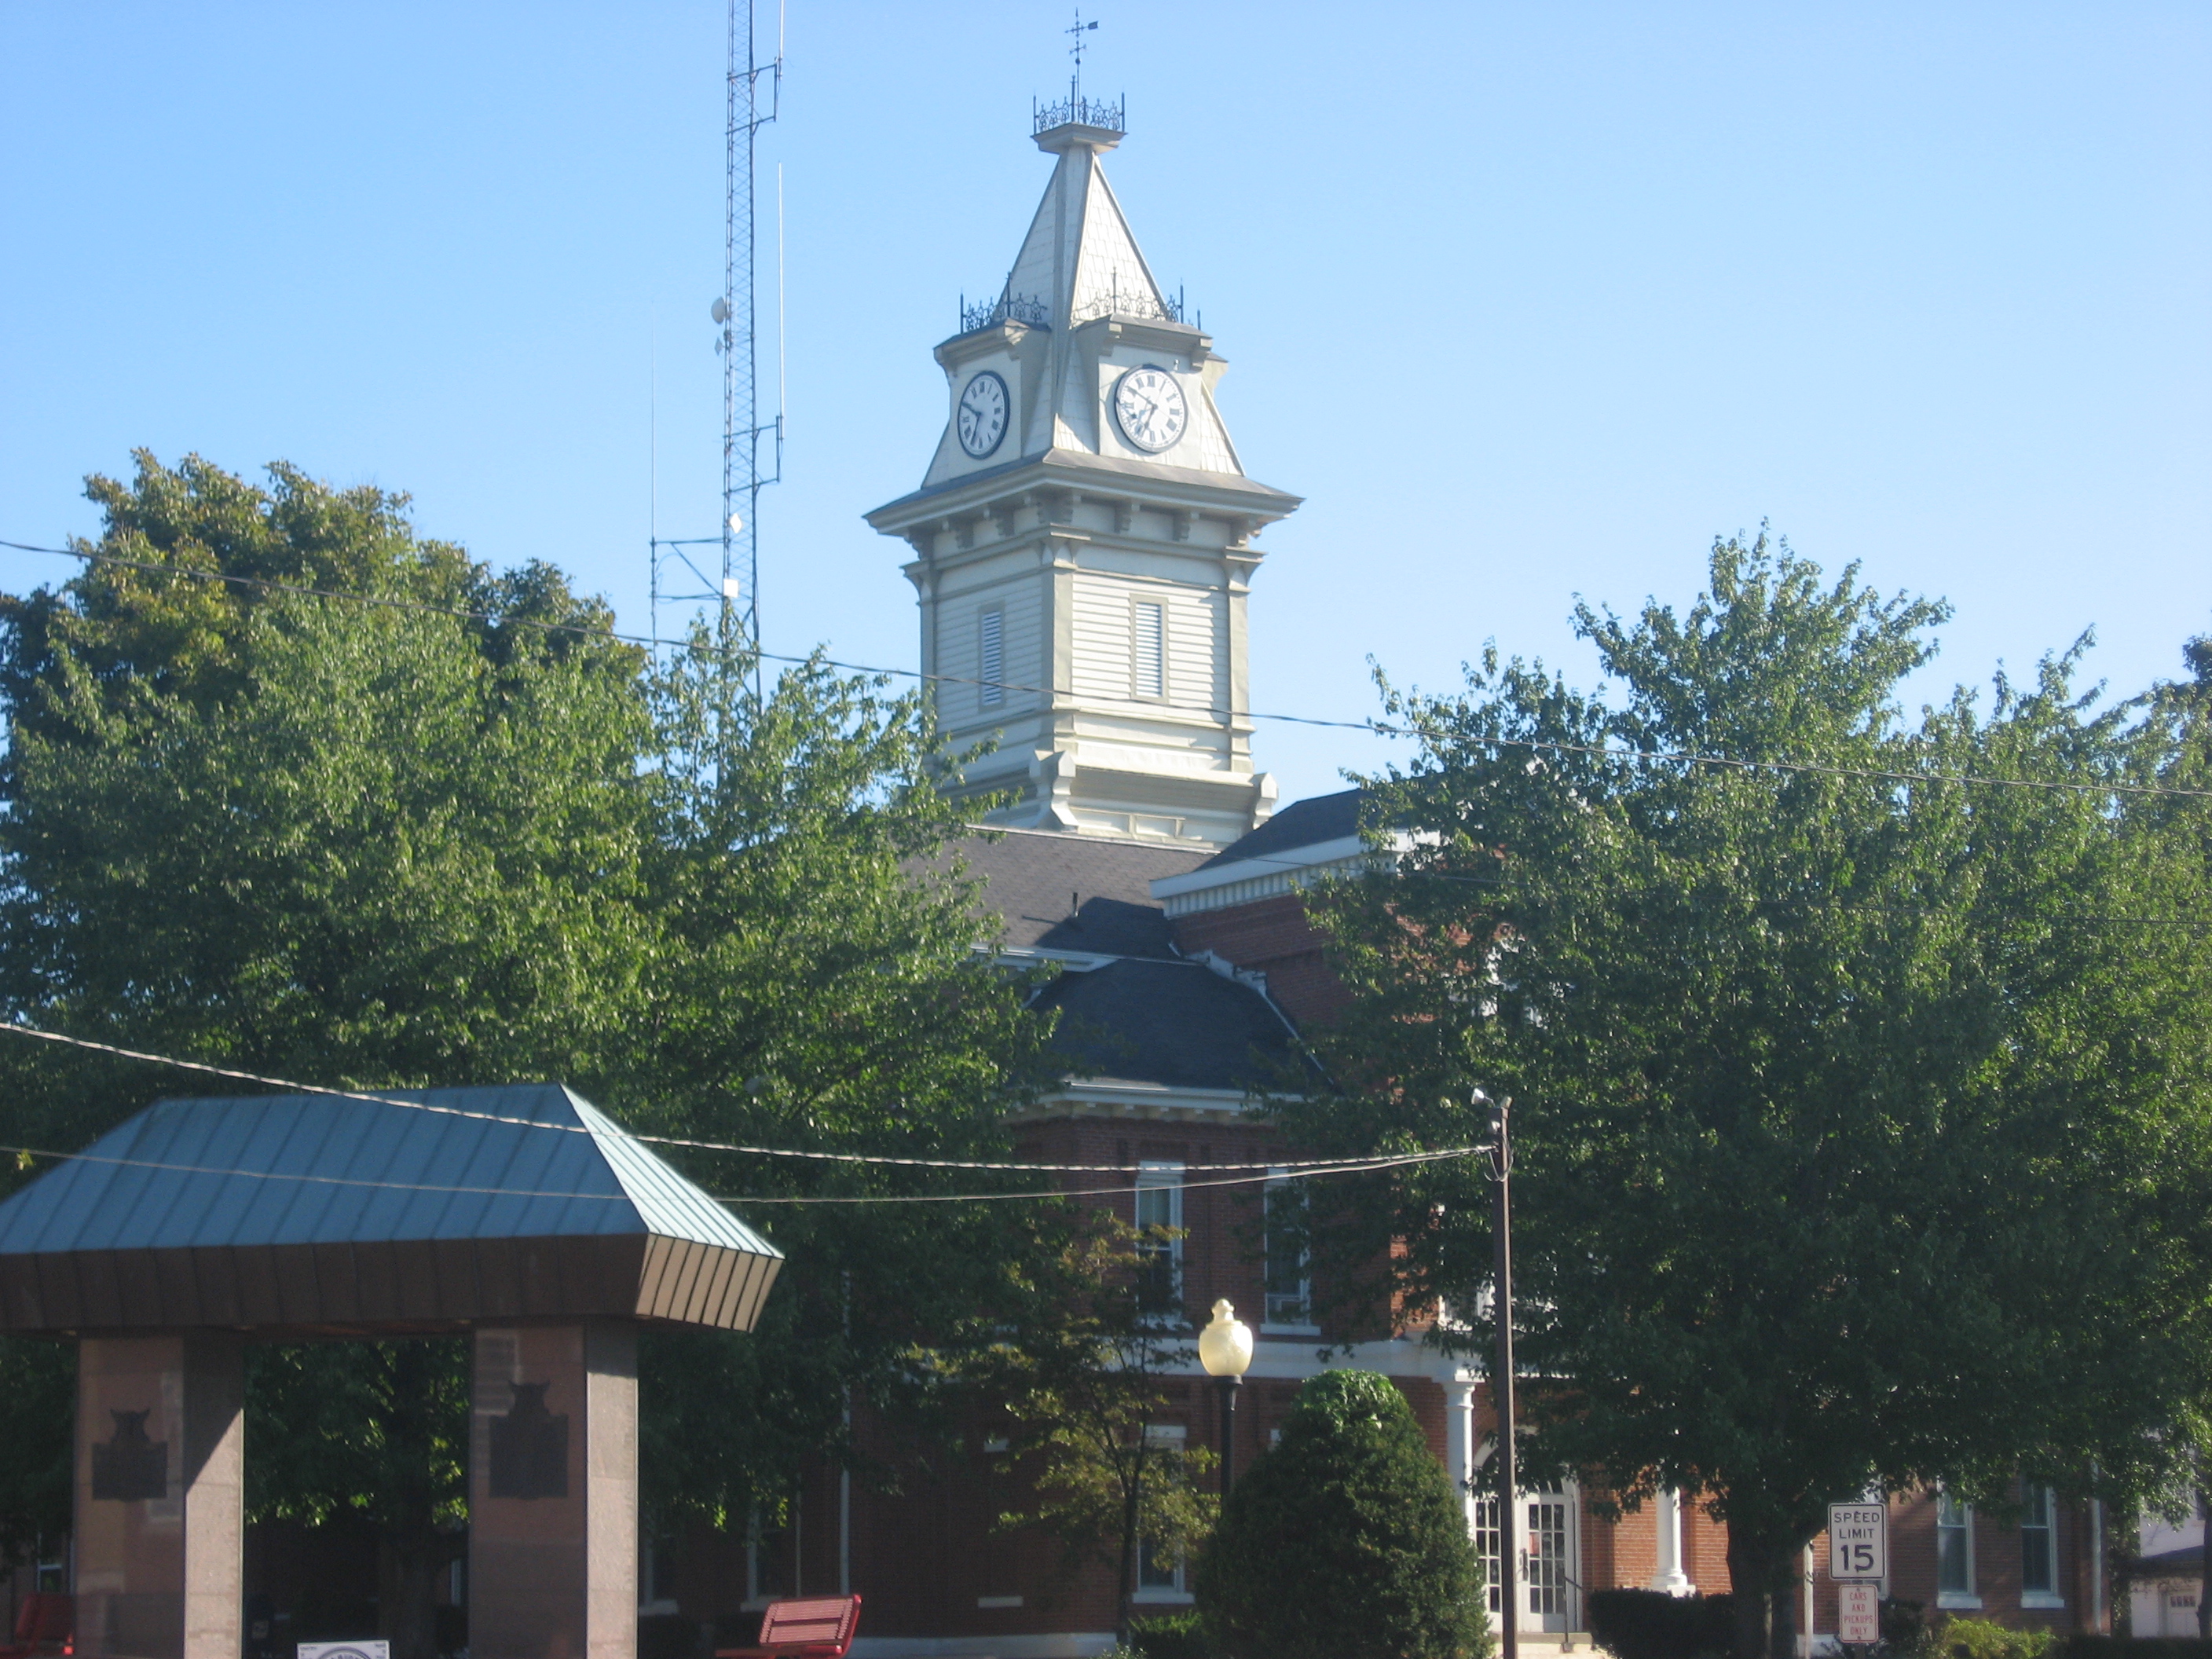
<point x="1501" y="1382"/>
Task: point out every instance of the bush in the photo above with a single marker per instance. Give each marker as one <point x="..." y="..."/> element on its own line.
<point x="1642" y="1624"/>
<point x="2087" y="1646"/>
<point x="1180" y="1635"/>
<point x="1984" y="1638"/>
<point x="1346" y="1542"/>
<point x="1905" y="1628"/>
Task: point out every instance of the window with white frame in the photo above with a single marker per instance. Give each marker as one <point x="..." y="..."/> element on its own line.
<point x="1159" y="1238"/>
<point x="1487" y="1545"/>
<point x="1148" y="649"/>
<point x="1161" y="1573"/>
<point x="1955" y="1552"/>
<point x="1283" y="1247"/>
<point x="2039" y="1547"/>
<point x="992" y="652"/>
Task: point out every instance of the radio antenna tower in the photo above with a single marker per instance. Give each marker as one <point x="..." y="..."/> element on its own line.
<point x="735" y="594"/>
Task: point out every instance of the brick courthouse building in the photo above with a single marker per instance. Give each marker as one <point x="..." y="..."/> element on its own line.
<point x="1081" y="546"/>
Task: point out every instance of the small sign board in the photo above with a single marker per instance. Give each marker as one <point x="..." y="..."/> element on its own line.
<point x="379" y="1650"/>
<point x="1859" y="1614"/>
<point x="1858" y="1541"/>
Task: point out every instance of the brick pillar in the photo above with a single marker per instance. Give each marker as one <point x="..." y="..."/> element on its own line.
<point x="553" y="1492"/>
<point x="161" y="1496"/>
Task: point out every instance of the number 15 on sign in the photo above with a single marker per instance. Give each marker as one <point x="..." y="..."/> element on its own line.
<point x="1858" y="1541"/>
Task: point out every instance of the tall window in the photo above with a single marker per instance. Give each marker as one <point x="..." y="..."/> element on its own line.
<point x="1954" y="1547"/>
<point x="1486" y="1544"/>
<point x="1161" y="1571"/>
<point x="1159" y="1238"/>
<point x="993" y="655"/>
<point x="1289" y="1288"/>
<point x="1149" y="650"/>
<point x="2038" y="1543"/>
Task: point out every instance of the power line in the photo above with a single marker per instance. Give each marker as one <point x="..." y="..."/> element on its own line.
<point x="1375" y="727"/>
<point x="1308" y="1172"/>
<point x="291" y="1087"/>
<point x="1353" y="1166"/>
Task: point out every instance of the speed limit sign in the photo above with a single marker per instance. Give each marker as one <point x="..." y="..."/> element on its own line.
<point x="1858" y="1541"/>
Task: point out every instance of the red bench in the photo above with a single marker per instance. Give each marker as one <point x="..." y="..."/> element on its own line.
<point x="45" y="1624"/>
<point x="819" y="1629"/>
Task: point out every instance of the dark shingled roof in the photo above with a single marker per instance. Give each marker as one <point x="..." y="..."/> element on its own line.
<point x="1070" y="892"/>
<point x="1302" y="824"/>
<point x="1153" y="1016"/>
<point x="1177" y="1024"/>
<point x="314" y="1212"/>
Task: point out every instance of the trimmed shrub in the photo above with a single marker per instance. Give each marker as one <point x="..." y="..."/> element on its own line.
<point x="1643" y="1623"/>
<point x="1984" y="1638"/>
<point x="2085" y="1645"/>
<point x="1345" y="1541"/>
<point x="1179" y="1635"/>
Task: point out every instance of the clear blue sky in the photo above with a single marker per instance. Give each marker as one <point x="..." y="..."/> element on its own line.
<point x="1527" y="301"/>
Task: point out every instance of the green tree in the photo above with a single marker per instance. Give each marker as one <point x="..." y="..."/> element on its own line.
<point x="1086" y="1384"/>
<point x="378" y="1432"/>
<point x="1860" y="1112"/>
<point x="1345" y="1541"/>
<point x="444" y="829"/>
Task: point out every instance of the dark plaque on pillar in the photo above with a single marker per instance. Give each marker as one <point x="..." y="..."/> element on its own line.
<point x="129" y="1465"/>
<point x="529" y="1448"/>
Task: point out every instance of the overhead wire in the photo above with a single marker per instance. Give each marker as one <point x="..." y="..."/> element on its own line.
<point x="287" y="1085"/>
<point x="1351" y="1166"/>
<point x="1376" y="728"/>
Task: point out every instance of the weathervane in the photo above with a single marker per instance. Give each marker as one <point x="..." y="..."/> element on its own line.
<point x="1075" y="81"/>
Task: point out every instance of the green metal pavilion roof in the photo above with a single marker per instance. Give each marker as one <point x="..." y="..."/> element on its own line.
<point x="313" y="1214"/>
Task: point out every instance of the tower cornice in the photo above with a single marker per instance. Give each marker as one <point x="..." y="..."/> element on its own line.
<point x="1098" y="478"/>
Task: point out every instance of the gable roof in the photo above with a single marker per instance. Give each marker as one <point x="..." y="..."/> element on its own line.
<point x="1307" y="823"/>
<point x="423" y="1208"/>
<point x="1085" y="894"/>
<point x="1133" y="1008"/>
<point x="1175" y="1024"/>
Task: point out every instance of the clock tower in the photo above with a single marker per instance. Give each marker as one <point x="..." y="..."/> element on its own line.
<point x="1082" y="540"/>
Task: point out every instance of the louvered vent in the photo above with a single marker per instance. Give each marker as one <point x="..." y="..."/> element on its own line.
<point x="994" y="658"/>
<point x="1150" y="652"/>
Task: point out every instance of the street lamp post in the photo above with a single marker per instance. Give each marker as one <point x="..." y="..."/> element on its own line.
<point x="1225" y="1348"/>
<point x="1501" y="1176"/>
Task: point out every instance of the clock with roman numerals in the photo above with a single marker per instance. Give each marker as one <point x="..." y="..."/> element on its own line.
<point x="981" y="420"/>
<point x="1149" y="407"/>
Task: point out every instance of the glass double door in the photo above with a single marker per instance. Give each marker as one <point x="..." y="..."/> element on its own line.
<point x="1545" y="1550"/>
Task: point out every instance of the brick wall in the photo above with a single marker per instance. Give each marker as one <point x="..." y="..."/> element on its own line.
<point x="1272" y="936"/>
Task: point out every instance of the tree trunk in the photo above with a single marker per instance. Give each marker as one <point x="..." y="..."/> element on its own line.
<point x="407" y="1592"/>
<point x="1125" y="1587"/>
<point x="1763" y="1578"/>
<point x="2204" y="1566"/>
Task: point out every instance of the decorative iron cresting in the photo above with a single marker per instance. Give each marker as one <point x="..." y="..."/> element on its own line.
<point x="1077" y="111"/>
<point x="1168" y="308"/>
<point x="1006" y="309"/>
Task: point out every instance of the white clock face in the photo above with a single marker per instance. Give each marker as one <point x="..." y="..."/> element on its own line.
<point x="982" y="418"/>
<point x="1149" y="407"/>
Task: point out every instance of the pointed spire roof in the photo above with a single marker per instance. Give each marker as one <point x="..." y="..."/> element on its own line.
<point x="1079" y="260"/>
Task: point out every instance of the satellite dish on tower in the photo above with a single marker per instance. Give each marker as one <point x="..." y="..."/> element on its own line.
<point x="721" y="312"/>
<point x="736" y="524"/>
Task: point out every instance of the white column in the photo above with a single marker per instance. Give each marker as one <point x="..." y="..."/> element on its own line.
<point x="1666" y="1572"/>
<point x="1459" y="1445"/>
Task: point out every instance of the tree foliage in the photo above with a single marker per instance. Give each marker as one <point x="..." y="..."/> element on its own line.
<point x="1085" y="1384"/>
<point x="1859" y="1111"/>
<point x="1345" y="1541"/>
<point x="291" y="789"/>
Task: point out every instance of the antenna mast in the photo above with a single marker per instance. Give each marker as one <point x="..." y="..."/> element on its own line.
<point x="735" y="594"/>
